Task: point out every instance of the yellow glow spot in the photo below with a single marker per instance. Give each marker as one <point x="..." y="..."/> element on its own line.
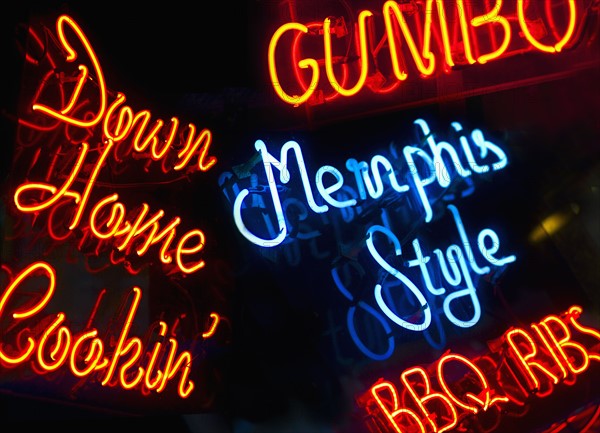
<point x="549" y="226"/>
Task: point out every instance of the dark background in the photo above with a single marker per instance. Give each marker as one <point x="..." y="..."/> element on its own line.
<point x="207" y="61"/>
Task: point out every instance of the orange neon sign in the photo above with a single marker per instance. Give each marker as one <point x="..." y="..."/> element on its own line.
<point x="122" y="121"/>
<point x="113" y="225"/>
<point x="528" y="362"/>
<point x="419" y="38"/>
<point x="74" y="138"/>
<point x="126" y="361"/>
<point x="85" y="104"/>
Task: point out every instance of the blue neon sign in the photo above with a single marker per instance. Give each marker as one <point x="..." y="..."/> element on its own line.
<point x="442" y="282"/>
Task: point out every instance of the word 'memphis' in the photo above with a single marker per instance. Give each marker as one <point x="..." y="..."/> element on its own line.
<point x="51" y="344"/>
<point x="530" y="362"/>
<point x="107" y="218"/>
<point x="456" y="37"/>
<point x="423" y="170"/>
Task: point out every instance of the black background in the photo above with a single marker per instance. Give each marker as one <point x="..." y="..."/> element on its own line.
<point x="207" y="61"/>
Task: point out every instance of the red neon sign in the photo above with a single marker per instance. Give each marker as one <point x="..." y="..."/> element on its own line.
<point x="404" y="40"/>
<point x="121" y="121"/>
<point x="125" y="361"/>
<point x="120" y="133"/>
<point x="531" y="362"/>
<point x="73" y="131"/>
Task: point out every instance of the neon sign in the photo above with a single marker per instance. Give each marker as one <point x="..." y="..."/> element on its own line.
<point x="456" y="266"/>
<point x="96" y="132"/>
<point x="421" y="169"/>
<point x="410" y="181"/>
<point x="523" y="363"/>
<point x="133" y="232"/>
<point x="125" y="361"/>
<point x="421" y="38"/>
